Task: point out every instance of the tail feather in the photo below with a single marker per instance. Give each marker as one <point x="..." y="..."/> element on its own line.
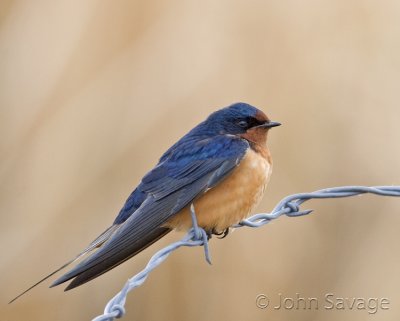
<point x="96" y="243"/>
<point x="45" y="278"/>
<point x="129" y="251"/>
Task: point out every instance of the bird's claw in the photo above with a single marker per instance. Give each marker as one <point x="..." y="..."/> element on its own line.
<point x="220" y="234"/>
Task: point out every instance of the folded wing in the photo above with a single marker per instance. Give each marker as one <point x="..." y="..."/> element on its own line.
<point x="173" y="184"/>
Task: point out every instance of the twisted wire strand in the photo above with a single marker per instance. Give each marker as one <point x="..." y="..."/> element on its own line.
<point x="289" y="206"/>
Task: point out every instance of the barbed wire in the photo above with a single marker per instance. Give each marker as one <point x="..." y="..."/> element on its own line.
<point x="289" y="206"/>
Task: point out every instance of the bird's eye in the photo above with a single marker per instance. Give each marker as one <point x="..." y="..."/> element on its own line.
<point x="243" y="124"/>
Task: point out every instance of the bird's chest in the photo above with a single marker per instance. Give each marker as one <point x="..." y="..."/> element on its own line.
<point x="233" y="199"/>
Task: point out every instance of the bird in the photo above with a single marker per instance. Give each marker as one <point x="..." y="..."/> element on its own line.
<point x="221" y="167"/>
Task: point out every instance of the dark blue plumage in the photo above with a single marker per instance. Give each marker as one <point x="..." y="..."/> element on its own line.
<point x="186" y="162"/>
<point x="201" y="160"/>
<point x="197" y="162"/>
<point x="193" y="147"/>
<point x="169" y="187"/>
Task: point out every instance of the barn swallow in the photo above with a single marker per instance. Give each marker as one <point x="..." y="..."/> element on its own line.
<point x="222" y="167"/>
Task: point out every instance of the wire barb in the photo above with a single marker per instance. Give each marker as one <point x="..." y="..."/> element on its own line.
<point x="289" y="206"/>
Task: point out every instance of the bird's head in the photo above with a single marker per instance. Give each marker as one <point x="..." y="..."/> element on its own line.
<point x="242" y="120"/>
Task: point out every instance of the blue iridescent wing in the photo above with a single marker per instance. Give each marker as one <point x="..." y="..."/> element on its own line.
<point x="174" y="183"/>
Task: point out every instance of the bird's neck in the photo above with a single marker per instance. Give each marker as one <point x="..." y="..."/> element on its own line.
<point x="257" y="139"/>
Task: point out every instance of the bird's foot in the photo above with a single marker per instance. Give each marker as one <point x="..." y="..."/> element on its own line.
<point x="220" y="234"/>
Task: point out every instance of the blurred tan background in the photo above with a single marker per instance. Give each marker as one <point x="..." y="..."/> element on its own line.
<point x="93" y="92"/>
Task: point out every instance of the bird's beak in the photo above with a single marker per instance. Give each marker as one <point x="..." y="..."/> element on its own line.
<point x="269" y="124"/>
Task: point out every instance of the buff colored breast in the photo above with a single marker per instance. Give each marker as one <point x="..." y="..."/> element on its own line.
<point x="232" y="200"/>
